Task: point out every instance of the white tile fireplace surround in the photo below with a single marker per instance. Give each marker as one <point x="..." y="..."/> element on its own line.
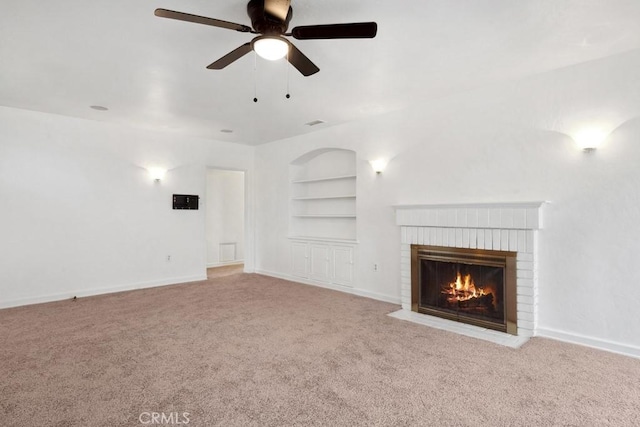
<point x="490" y="226"/>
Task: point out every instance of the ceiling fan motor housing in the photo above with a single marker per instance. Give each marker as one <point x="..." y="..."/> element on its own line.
<point x="264" y="22"/>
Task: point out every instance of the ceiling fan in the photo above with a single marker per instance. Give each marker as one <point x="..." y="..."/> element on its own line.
<point x="270" y="20"/>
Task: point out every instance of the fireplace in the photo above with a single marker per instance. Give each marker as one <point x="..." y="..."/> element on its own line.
<point x="471" y="286"/>
<point x="497" y="228"/>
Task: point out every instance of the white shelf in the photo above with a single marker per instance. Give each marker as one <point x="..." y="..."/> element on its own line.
<point x="347" y="196"/>
<point x="329" y="178"/>
<point x="323" y="239"/>
<point x="325" y="216"/>
<point x="323" y="196"/>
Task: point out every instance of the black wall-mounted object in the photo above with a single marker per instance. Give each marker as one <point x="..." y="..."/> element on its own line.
<point x="185" y="201"/>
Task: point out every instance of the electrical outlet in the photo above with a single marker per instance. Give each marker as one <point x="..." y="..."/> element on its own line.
<point x="375" y="267"/>
<point x="168" y="258"/>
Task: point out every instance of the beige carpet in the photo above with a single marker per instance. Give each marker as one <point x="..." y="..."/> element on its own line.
<point x="247" y="350"/>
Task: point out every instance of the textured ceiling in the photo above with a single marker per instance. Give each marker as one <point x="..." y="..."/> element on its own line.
<point x="63" y="56"/>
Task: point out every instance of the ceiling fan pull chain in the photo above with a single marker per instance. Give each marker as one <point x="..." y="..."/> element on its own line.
<point x="255" y="77"/>
<point x="288" y="95"/>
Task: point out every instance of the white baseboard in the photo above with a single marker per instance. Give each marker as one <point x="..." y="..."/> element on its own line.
<point x="333" y="286"/>
<point x="610" y="346"/>
<point x="100" y="291"/>
<point x="221" y="264"/>
<point x="376" y="296"/>
<point x="273" y="274"/>
<point x="304" y="281"/>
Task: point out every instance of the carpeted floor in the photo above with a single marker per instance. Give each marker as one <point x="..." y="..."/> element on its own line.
<point x="248" y="350"/>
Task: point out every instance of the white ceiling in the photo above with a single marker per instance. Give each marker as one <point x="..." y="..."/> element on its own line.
<point x="62" y="56"/>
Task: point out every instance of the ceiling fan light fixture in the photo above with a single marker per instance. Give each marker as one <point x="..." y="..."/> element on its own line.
<point x="271" y="48"/>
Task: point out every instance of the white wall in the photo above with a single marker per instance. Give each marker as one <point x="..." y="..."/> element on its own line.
<point x="80" y="214"/>
<point x="224" y="213"/>
<point x="503" y="143"/>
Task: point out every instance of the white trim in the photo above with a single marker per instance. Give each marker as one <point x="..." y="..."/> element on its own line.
<point x="222" y="264"/>
<point x="508" y="216"/>
<point x="324" y="216"/>
<point x="377" y="296"/>
<point x="600" y="344"/>
<point x="276" y="275"/>
<point x="327" y="178"/>
<point x="101" y="291"/>
<point x="324" y="239"/>
<point x="332" y="286"/>
<point x="304" y="281"/>
<point x="346" y="196"/>
<point x="534" y="204"/>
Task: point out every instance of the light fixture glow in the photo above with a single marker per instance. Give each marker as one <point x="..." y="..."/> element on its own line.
<point x="157" y="174"/>
<point x="378" y="165"/>
<point x="270" y="48"/>
<point x="590" y="139"/>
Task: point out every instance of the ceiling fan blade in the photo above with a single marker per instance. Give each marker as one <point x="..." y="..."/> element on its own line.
<point x="301" y="62"/>
<point x="277" y="8"/>
<point x="356" y="30"/>
<point x="181" y="16"/>
<point x="230" y="57"/>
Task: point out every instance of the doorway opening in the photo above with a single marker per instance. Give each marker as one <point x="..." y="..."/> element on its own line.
<point x="225" y="221"/>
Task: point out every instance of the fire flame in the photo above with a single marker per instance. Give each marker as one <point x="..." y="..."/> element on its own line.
<point x="464" y="289"/>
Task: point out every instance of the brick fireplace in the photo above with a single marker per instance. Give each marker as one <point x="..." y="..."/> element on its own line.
<point x="491" y="227"/>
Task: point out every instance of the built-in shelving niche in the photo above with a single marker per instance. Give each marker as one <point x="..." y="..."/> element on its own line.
<point x="323" y="195"/>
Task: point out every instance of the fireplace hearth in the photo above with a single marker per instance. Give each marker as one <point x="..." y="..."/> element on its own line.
<point x="471" y="286"/>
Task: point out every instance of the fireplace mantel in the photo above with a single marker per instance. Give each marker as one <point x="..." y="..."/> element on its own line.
<point x="507" y="215"/>
<point x="508" y="226"/>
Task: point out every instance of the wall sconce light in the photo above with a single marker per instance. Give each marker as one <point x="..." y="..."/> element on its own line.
<point x="157" y="174"/>
<point x="378" y="165"/>
<point x="590" y="139"/>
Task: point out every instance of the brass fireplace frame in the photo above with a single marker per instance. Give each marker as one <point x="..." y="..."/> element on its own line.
<point x="507" y="260"/>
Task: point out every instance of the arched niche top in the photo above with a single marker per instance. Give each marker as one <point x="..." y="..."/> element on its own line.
<point x="305" y="158"/>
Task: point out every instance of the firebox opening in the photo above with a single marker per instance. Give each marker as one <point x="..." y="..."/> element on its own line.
<point x="469" y="286"/>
